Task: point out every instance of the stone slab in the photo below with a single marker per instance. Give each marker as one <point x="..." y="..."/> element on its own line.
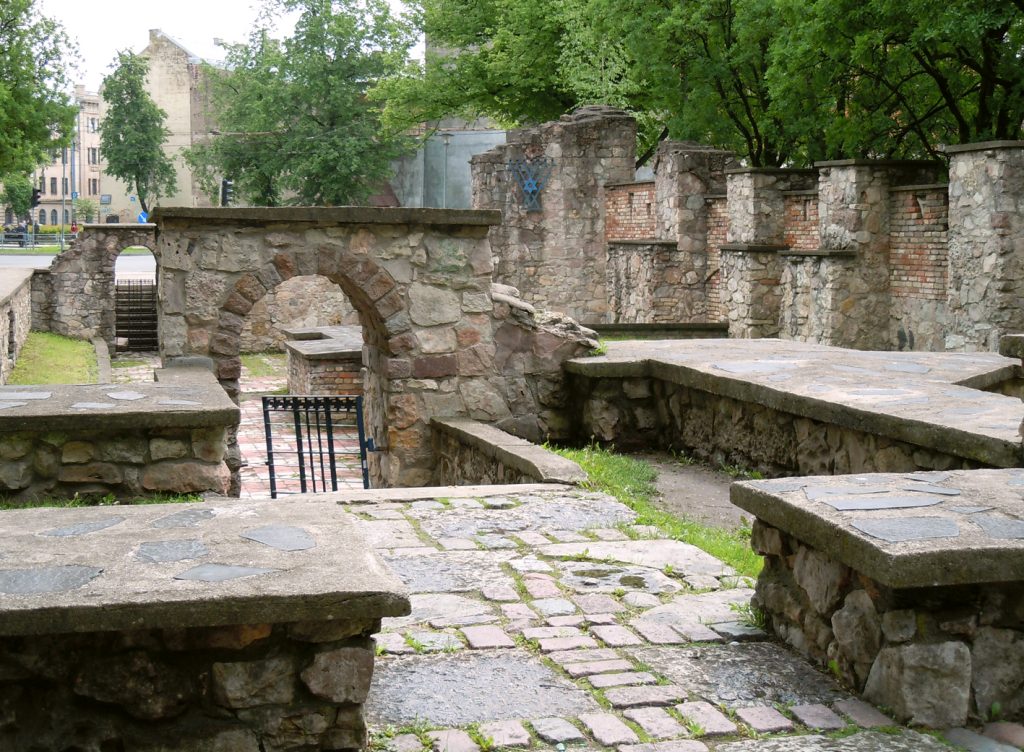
<point x="682" y="557"/>
<point x="340" y="576"/>
<point x="865" y="741"/>
<point x="934" y="546"/>
<point x="740" y="675"/>
<point x="406" y="689"/>
<point x="450" y="571"/>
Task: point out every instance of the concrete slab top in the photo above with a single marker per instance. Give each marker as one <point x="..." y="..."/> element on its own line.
<point x="202" y="403"/>
<point x="904" y="530"/>
<point x="176" y="566"/>
<point x="927" y="399"/>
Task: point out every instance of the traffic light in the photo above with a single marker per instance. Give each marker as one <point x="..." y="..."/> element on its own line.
<point x="35" y="197"/>
<point x="227" y="191"/>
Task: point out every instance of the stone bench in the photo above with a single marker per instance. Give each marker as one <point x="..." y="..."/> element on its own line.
<point x="910" y="587"/>
<point x="241" y="625"/>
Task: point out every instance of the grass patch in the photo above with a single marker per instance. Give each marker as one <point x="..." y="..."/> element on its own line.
<point x="51" y="359"/>
<point x="264" y="364"/>
<point x="631" y="481"/>
<point x="100" y="501"/>
<point x="127" y="363"/>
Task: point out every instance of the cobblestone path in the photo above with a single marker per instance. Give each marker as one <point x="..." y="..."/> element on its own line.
<point x="547" y="619"/>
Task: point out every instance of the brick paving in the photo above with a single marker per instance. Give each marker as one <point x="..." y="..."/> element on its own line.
<point x="608" y="693"/>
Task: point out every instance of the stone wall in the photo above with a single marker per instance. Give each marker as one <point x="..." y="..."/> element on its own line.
<point x="986" y="244"/>
<point x="474" y="453"/>
<point x="629" y="212"/>
<point x="650" y="282"/>
<point x="63" y="441"/>
<point x="556" y="256"/>
<point x="298" y="302"/>
<point x="341" y="374"/>
<point x="15" y="317"/>
<point x="646" y="412"/>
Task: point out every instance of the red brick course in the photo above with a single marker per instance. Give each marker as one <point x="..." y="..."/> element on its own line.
<point x="918" y="226"/>
<point x="629" y="212"/>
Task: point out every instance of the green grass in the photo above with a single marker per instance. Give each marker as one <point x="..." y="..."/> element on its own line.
<point x="265" y="363"/>
<point x="100" y="501"/>
<point x="631" y="481"/>
<point x="51" y="359"/>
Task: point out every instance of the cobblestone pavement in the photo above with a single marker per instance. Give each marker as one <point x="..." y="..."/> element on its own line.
<point x="547" y="619"/>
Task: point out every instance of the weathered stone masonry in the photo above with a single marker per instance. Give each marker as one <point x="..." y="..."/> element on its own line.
<point x="15" y="317"/>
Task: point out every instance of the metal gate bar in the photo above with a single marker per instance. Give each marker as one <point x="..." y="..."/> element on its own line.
<point x="296" y="440"/>
<point x="136" y="325"/>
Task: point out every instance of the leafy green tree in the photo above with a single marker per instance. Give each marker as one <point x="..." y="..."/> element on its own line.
<point x="86" y="209"/>
<point x="132" y="132"/>
<point x="18" y="194"/>
<point x="294" y="120"/>
<point x="36" y="114"/>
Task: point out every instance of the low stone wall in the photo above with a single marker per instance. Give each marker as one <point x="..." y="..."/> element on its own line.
<point x="133" y="638"/>
<point x="651" y="282"/>
<point x="325" y="360"/>
<point x="909" y="588"/>
<point x="16" y="313"/>
<point x="473" y="453"/>
<point x="63" y="440"/>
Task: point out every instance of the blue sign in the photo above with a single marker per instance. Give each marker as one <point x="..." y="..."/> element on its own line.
<point x="132" y="199"/>
<point x="143" y="218"/>
<point x="74" y="194"/>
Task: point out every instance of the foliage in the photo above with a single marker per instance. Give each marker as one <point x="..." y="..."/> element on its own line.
<point x="257" y="365"/>
<point x="17" y="194"/>
<point x="631" y="481"/>
<point x="36" y="115"/>
<point x="51" y="359"/>
<point x="781" y="82"/>
<point x="295" y="123"/>
<point x="132" y="133"/>
<point x="86" y="210"/>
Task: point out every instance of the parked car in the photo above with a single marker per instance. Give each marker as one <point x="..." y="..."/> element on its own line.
<point x="15" y="235"/>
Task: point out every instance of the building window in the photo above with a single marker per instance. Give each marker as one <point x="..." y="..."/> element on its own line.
<point x="67" y="216"/>
<point x="92" y="125"/>
<point x="53" y="216"/>
<point x="42" y="183"/>
<point x="94" y="186"/>
<point x="64" y="186"/>
<point x="53" y="186"/>
<point x="94" y="155"/>
<point x="42" y="216"/>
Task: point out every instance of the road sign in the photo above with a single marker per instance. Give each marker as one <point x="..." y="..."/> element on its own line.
<point x="143" y="218"/>
<point x="132" y="199"/>
<point x="74" y="194"/>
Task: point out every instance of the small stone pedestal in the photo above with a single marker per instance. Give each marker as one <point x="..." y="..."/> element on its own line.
<point x="908" y="587"/>
<point x="325" y="360"/>
<point x="233" y="625"/>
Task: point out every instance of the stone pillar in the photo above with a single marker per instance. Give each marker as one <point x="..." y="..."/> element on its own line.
<point x="986" y="243"/>
<point x="751" y="265"/>
<point x="556" y="257"/>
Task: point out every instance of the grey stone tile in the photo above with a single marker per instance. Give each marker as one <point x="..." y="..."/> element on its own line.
<point x="655" y="722"/>
<point x="900" y="529"/>
<point x="865" y="741"/>
<point x="405" y="743"/>
<point x="764" y="719"/>
<point x="452" y="740"/>
<point x="634" y="697"/>
<point x="861" y="713"/>
<point x="589" y="668"/>
<point x="556" y="730"/>
<point x="506" y="733"/>
<point x="973" y="742"/>
<point x="682" y="745"/>
<point x="1005" y="732"/>
<point x="817" y="717"/>
<point x="444" y="609"/>
<point x="553" y="606"/>
<point x="739" y="632"/>
<point x="457" y="544"/>
<point x="615" y="636"/>
<point x="628" y="679"/>
<point x="557" y="644"/>
<point x="710" y="720"/>
<point x="484" y="637"/>
<point x="608" y="730"/>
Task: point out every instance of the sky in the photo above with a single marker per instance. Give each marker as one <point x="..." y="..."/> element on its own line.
<point x="102" y="29"/>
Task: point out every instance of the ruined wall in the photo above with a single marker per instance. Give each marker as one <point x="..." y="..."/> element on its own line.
<point x="301" y="302"/>
<point x="15" y="317"/>
<point x="629" y="212"/>
<point x="651" y="282"/>
<point x="557" y="256"/>
<point x="986" y="244"/>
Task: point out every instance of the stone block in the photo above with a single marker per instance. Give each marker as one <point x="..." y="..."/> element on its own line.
<point x="186" y="477"/>
<point x="77" y="452"/>
<point x="142" y="685"/>
<point x="94" y="472"/>
<point x="248" y="684"/>
<point x="341" y="675"/>
<point x="928" y="685"/>
<point x="168" y="449"/>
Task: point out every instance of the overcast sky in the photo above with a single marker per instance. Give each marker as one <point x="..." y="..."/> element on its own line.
<point x="103" y="28"/>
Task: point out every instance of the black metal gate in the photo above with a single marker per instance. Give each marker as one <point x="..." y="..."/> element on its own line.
<point x="136" y="315"/>
<point x="311" y="439"/>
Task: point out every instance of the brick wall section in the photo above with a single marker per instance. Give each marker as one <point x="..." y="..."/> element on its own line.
<point x="629" y="211"/>
<point x="918" y="222"/>
<point x="718" y="228"/>
<point x="801" y="222"/>
<point x="341" y="375"/>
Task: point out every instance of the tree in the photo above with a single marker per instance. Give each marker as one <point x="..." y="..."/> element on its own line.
<point x="294" y="120"/>
<point x="18" y="194"/>
<point x="36" y="114"/>
<point x="86" y="209"/>
<point x="132" y="132"/>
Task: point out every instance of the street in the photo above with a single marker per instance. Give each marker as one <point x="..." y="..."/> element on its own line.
<point x="125" y="264"/>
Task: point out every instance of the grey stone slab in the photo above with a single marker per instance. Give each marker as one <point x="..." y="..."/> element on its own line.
<point x="822" y="492"/>
<point x="390" y="533"/>
<point x="645" y="696"/>
<point x="691" y="612"/>
<point x="447" y="609"/>
<point x="780" y="485"/>
<point x="185" y="518"/>
<point x="640" y="599"/>
<point x="973" y="742"/>
<point x="608" y="730"/>
<point x="626" y="679"/>
<point x="591" y="668"/>
<point x="220" y="572"/>
<point x="435" y="689"/>
<point x="655" y="722"/>
<point x="930" y="488"/>
<point x="902" y="529"/>
<point x="506" y="734"/>
<point x="493" y="541"/>
<point x="434" y="642"/>
<point x="451" y="740"/>
<point x="126" y="396"/>
<point x="457" y="544"/>
<point x="500" y="593"/>
<point x="174" y="550"/>
<point x="451" y="571"/>
<point x="553" y="606"/>
<point x="658" y="554"/>
<point x="707" y="717"/>
<point x="281" y="537"/>
<point x="607" y="578"/>
<point x="598" y="603"/>
<point x="10" y="405"/>
<point x="679" y="745"/>
<point x="968" y="510"/>
<point x="179" y="403"/>
<point x="486" y="637"/>
<point x="23" y="395"/>
<point x="929" y="476"/>
<point x="907" y="368"/>
<point x="753" y="367"/>
<point x="881" y="501"/>
<point x="1000" y="527"/>
<point x="94" y="405"/>
<point x="739" y="632"/>
<point x="84" y="528"/>
<point x="530" y="564"/>
<point x="740" y="675"/>
<point x="764" y="719"/>
<point x="405" y="743"/>
<point x="614" y="635"/>
<point x="864" y="715"/>
<point x="817" y="717"/>
<point x="45" y="580"/>
<point x="865" y="741"/>
<point x="556" y="730"/>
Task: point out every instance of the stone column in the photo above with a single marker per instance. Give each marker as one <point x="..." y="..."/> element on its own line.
<point x="751" y="265"/>
<point x="986" y="243"/>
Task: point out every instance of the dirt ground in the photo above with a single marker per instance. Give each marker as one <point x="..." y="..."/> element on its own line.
<point x="694" y="491"/>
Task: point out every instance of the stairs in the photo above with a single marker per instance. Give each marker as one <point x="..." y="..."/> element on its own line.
<point x="136" y="316"/>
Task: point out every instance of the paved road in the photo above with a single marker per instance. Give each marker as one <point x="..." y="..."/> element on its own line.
<point x="125" y="264"/>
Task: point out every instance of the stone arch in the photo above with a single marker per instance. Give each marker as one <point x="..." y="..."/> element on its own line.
<point x="419" y="279"/>
<point x="79" y="285"/>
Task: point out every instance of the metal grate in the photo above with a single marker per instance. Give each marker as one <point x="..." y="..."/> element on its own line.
<point x="136" y="327"/>
<point x="531" y="175"/>
<point x="309" y="438"/>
